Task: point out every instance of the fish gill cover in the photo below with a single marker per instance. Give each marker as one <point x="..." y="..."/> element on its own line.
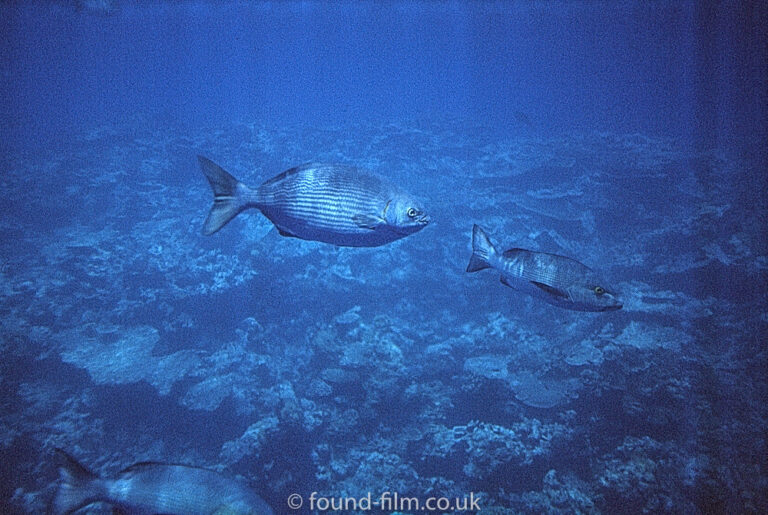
<point x="304" y="367"/>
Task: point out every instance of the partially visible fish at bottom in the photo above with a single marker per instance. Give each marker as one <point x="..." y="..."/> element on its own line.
<point x="154" y="488"/>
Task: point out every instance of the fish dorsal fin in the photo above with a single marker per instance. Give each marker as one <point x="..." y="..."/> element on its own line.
<point x="512" y="252"/>
<point x="368" y="221"/>
<point x="312" y="165"/>
<point x="291" y="171"/>
<point x="141" y="465"/>
<point x="550" y="289"/>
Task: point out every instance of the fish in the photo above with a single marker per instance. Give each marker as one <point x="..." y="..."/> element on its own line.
<point x="150" y="487"/>
<point x="330" y="203"/>
<point x="558" y="280"/>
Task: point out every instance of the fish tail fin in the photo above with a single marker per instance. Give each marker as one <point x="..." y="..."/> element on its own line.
<point x="228" y="196"/>
<point x="78" y="486"/>
<point x="482" y="250"/>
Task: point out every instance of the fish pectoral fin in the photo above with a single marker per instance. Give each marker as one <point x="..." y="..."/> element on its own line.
<point x="551" y="289"/>
<point x="368" y="221"/>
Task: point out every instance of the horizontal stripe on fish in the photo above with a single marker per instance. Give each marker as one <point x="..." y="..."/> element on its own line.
<point x="319" y="210"/>
<point x="336" y="204"/>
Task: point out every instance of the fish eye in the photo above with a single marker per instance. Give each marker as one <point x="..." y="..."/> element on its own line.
<point x="599" y="290"/>
<point x="411" y="212"/>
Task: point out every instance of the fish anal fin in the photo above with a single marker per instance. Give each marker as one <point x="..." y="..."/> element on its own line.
<point x="512" y="282"/>
<point x="285" y="233"/>
<point x="368" y="221"/>
<point x="551" y="289"/>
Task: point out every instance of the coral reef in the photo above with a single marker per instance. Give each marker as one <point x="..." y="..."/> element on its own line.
<point x="127" y="336"/>
<point x="485" y="447"/>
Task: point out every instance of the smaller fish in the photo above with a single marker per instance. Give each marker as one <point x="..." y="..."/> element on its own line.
<point x="148" y="487"/>
<point x="558" y="280"/>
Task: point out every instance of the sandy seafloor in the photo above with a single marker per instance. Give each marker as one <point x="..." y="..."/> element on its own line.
<point x="129" y="336"/>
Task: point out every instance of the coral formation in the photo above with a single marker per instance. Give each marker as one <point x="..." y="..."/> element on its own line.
<point x="128" y="336"/>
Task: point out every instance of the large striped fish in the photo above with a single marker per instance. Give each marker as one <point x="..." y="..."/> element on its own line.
<point x="559" y="280"/>
<point x="331" y="203"/>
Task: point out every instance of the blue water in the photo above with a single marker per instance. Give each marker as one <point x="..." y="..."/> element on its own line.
<point x="629" y="136"/>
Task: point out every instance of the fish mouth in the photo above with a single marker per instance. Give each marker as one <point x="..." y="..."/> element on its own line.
<point x="413" y="225"/>
<point x="614" y="307"/>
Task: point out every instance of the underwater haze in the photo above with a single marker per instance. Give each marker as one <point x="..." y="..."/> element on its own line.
<point x="626" y="137"/>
